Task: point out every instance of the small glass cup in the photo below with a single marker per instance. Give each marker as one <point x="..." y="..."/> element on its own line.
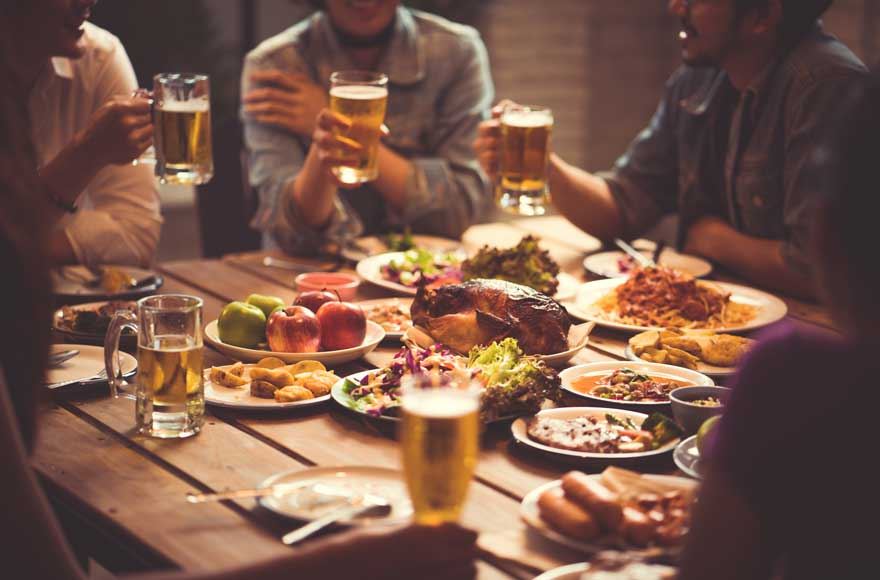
<point x="525" y="151"/>
<point x="440" y="443"/>
<point x="169" y="391"/>
<point x="361" y="97"/>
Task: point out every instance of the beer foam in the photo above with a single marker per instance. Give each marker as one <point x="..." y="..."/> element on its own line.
<point x="359" y="92"/>
<point x="195" y="106"/>
<point x="440" y="405"/>
<point x="527" y="119"/>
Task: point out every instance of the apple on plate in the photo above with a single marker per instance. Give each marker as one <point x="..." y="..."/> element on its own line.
<point x="343" y="325"/>
<point x="314" y="299"/>
<point x="293" y="329"/>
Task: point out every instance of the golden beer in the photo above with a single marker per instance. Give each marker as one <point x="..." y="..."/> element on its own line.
<point x="183" y="142"/>
<point x="440" y="446"/>
<point x="525" y="151"/>
<point x="362" y="98"/>
<point x="170" y="381"/>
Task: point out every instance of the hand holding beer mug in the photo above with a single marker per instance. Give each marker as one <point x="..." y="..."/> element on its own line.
<point x="440" y="442"/>
<point x="524" y="153"/>
<point x="182" y="135"/>
<point x="169" y="392"/>
<point x="361" y="97"/>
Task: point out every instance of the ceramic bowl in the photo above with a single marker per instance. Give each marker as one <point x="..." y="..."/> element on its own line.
<point x="345" y="285"/>
<point x="690" y="415"/>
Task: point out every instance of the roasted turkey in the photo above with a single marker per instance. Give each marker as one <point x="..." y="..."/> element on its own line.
<point x="480" y="311"/>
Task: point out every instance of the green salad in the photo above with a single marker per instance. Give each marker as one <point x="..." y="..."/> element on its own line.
<point x="526" y="264"/>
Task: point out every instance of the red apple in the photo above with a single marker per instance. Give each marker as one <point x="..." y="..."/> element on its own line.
<point x="294" y="329"/>
<point x="344" y="325"/>
<point x="314" y="299"/>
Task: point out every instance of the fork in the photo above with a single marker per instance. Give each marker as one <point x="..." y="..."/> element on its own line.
<point x="102" y="374"/>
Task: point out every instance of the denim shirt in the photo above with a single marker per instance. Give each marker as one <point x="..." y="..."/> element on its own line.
<point x="743" y="157"/>
<point x="439" y="88"/>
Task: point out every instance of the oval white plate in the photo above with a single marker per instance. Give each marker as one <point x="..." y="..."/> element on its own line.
<point x="687" y="457"/>
<point x="85" y="337"/>
<point x="373" y="245"/>
<point x="607" y="264"/>
<point x="356" y="480"/>
<point x="374" y="336"/>
<point x="404" y="304"/>
<point x="528" y="511"/>
<point x="347" y="402"/>
<point x="706" y="369"/>
<point x="67" y="284"/>
<point x="241" y="399"/>
<point x="770" y="308"/>
<point x="88" y="363"/>
<point x="520" y="433"/>
<point x="654" y="369"/>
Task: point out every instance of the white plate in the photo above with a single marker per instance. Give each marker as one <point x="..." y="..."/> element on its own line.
<point x="354" y="480"/>
<point x="528" y="511"/>
<point x="687" y="457"/>
<point x="88" y="363"/>
<point x="520" y="433"/>
<point x="68" y="286"/>
<point x="374" y="336"/>
<point x="86" y="337"/>
<point x="656" y="370"/>
<point x="373" y="245"/>
<point x="570" y="572"/>
<point x="241" y="399"/>
<point x="705" y="368"/>
<point x="404" y="304"/>
<point x="607" y="264"/>
<point x="770" y="308"/>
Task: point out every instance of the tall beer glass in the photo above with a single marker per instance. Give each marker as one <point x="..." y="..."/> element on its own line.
<point x="525" y="150"/>
<point x="361" y="97"/>
<point x="440" y="444"/>
<point x="169" y="393"/>
<point x="182" y="121"/>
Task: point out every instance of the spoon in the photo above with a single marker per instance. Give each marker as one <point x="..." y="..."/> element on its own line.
<point x="370" y="505"/>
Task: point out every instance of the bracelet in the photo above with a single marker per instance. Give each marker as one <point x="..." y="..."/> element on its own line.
<point x="68" y="206"/>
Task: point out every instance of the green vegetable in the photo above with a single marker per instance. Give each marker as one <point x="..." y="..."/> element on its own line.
<point x="662" y="428"/>
<point x="626" y="424"/>
<point x="400" y="242"/>
<point x="268" y="304"/>
<point x="525" y="264"/>
<point x="242" y="324"/>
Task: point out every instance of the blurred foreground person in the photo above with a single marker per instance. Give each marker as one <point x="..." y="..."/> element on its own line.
<point x="729" y="143"/>
<point x="788" y="477"/>
<point x="439" y="89"/>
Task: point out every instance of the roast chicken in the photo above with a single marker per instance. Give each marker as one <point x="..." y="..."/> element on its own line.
<point x="480" y="311"/>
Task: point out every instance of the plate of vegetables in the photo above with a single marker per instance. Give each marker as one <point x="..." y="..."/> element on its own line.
<point x="404" y="271"/>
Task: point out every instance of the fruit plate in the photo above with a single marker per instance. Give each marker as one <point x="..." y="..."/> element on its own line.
<point x="374" y="336"/>
<point x="531" y="515"/>
<point x="687" y="457"/>
<point x="241" y="399"/>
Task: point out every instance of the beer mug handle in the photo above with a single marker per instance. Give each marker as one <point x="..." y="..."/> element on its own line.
<point x="148" y="157"/>
<point x="118" y="385"/>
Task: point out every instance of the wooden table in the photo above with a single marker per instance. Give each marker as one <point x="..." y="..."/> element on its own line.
<point x="123" y="494"/>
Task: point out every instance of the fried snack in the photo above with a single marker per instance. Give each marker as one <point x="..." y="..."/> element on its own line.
<point x="650" y="339"/>
<point x="637" y="527"/>
<point x="278" y="377"/>
<point x="566" y="516"/>
<point x="318" y="382"/>
<point x="725" y="350"/>
<point x="594" y="497"/>
<point x="263" y="389"/>
<point x="226" y="377"/>
<point x="270" y="362"/>
<point x="305" y="366"/>
<point x="292" y="394"/>
<point x="687" y="348"/>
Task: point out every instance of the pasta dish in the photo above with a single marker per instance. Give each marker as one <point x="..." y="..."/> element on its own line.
<point x="662" y="297"/>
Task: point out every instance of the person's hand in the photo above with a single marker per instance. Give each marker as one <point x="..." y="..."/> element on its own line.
<point x="331" y="149"/>
<point x="289" y="101"/>
<point x="489" y="140"/>
<point x="119" y="131"/>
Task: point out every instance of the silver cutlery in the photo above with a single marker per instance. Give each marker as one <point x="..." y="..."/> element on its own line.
<point x="636" y="255"/>
<point x="102" y="374"/>
<point x="369" y="505"/>
<point x="56" y="359"/>
<point x="330" y="494"/>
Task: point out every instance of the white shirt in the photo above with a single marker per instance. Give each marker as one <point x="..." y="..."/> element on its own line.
<point x="118" y="221"/>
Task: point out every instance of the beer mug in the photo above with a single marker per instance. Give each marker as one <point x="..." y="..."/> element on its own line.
<point x="182" y="128"/>
<point x="361" y="97"/>
<point x="440" y="443"/>
<point x="168" y="391"/>
<point x="525" y="151"/>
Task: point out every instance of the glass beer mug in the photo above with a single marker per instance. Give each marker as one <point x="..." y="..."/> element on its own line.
<point x="440" y="443"/>
<point x="168" y="391"/>
<point x="361" y="97"/>
<point x="525" y="151"/>
<point x="181" y="149"/>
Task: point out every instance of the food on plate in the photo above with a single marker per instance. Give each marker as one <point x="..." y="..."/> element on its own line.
<point x="92" y="320"/>
<point x="115" y="280"/>
<point x="314" y="299"/>
<point x="343" y="325"/>
<point x="399" y="242"/>
<point x="609" y="434"/>
<point x="418" y="266"/>
<point x="479" y="312"/>
<point x="629" y="508"/>
<point x="268" y="304"/>
<point x="707" y="402"/>
<point x="512" y="382"/>
<point x="391" y="316"/>
<point x="284" y="383"/>
<point x="657" y="296"/>
<point x="526" y="264"/>
<point x="294" y="329"/>
<point x="242" y="324"/>
<point x="686" y="348"/>
<point x="627" y="385"/>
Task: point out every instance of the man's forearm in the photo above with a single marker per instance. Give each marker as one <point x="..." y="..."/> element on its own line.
<point x="584" y="199"/>
<point x="68" y="174"/>
<point x="313" y="192"/>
